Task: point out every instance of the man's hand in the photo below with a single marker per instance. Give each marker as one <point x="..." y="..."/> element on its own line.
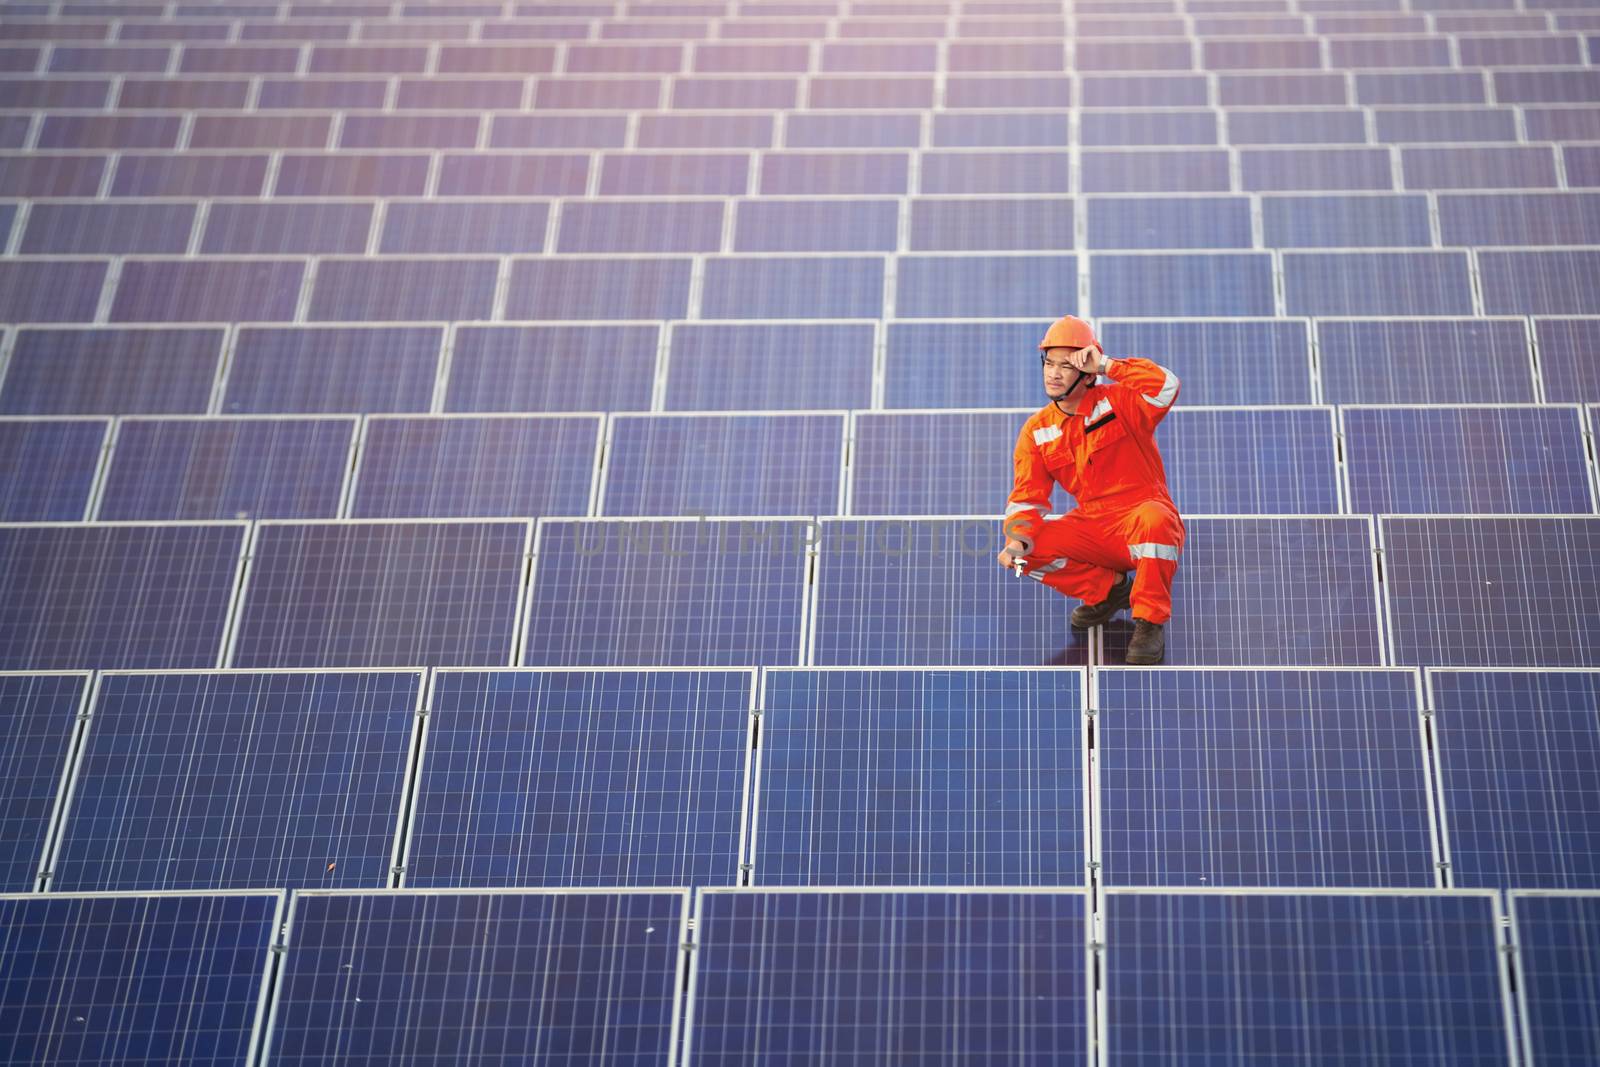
<point x="1090" y="360"/>
<point x="1009" y="555"/>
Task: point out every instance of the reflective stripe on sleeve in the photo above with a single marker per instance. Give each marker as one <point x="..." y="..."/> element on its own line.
<point x="1026" y="505"/>
<point x="1169" y="389"/>
<point x="1150" y="550"/>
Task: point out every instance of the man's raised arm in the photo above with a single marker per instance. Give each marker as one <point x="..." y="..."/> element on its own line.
<point x="1156" y="385"/>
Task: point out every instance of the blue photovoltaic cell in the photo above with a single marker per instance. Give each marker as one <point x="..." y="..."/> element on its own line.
<point x="104" y="228"/>
<point x="176" y="174"/>
<point x="582" y="778"/>
<point x="231" y="781"/>
<point x="516" y="977"/>
<point x="47" y="467"/>
<point x="802" y="130"/>
<point x="964" y="365"/>
<point x="844" y="287"/>
<point x="833" y="173"/>
<point x="920" y="778"/>
<point x="551" y="368"/>
<point x="878" y="977"/>
<point x="111" y="371"/>
<point x="147" y="979"/>
<point x="1291" y="125"/>
<point x="1520" y="218"/>
<point x="927" y="592"/>
<point x="1010" y="224"/>
<point x="638" y="226"/>
<point x="285" y="228"/>
<point x="1227" y="284"/>
<point x="705" y="131"/>
<point x="986" y="286"/>
<point x="1314" y="169"/>
<point x="327" y="369"/>
<point x="545" y="131"/>
<point x="1470" y="460"/>
<point x="1164" y="129"/>
<point x="209" y="290"/>
<point x="994" y="91"/>
<point x="512" y="174"/>
<point x="1143" y="90"/>
<point x="1262" y="778"/>
<point x="1270" y="591"/>
<point x="1290" y="977"/>
<point x="995" y="172"/>
<point x="1157" y="170"/>
<point x="38" y="715"/>
<point x="688" y="174"/>
<point x="891" y="475"/>
<point x="93" y="596"/>
<point x="761" y="366"/>
<point x="1376" y="283"/>
<point x="461" y="228"/>
<point x="1163" y="223"/>
<point x="592" y="289"/>
<point x="1493" y="592"/>
<point x="1442" y="361"/>
<point x="1219" y="362"/>
<point x="1376" y="221"/>
<point x="391" y="290"/>
<point x="703" y="464"/>
<point x="998" y="129"/>
<point x="1540" y="282"/>
<point x="1499" y="167"/>
<point x="52" y="290"/>
<point x="227" y="469"/>
<point x="1242" y="462"/>
<point x="1568" y="364"/>
<point x="381" y="594"/>
<point x="1558" y="976"/>
<point x="667" y="593"/>
<point x="475" y="467"/>
<point x="1516" y="756"/>
<point x="816" y="226"/>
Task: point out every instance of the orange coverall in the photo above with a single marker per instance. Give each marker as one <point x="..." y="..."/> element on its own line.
<point x="1104" y="453"/>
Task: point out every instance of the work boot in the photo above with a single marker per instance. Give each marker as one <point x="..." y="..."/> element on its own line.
<point x="1149" y="644"/>
<point x="1087" y="615"/>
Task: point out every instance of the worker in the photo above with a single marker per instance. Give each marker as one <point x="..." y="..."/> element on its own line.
<point x="1098" y="443"/>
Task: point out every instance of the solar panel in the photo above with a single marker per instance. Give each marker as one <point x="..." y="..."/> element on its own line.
<point x="847" y="130"/>
<point x="1513" y="591"/>
<point x="833" y="173"/>
<point x="598" y="289"/>
<point x="527" y="976"/>
<point x="1242" y="461"/>
<point x="224" y="780"/>
<point x="1534" y="282"/>
<point x="1279" y="976"/>
<point x="111" y="371"/>
<point x="889" y="474"/>
<point x="1377" y="283"/>
<point x="1135" y="90"/>
<point x="703" y="464"/>
<point x="582" y="778"/>
<point x="668" y="592"/>
<point x="332" y="93"/>
<point x="1269" y="591"/>
<point x="42" y="290"/>
<point x="776" y="287"/>
<point x="1297" y="126"/>
<point x="103" y="596"/>
<point x="381" y="594"/>
<point x="1262" y="778"/>
<point x="463" y="467"/>
<point x="171" y="978"/>
<point x="679" y="174"/>
<point x="1557" y="938"/>
<point x="47" y="467"/>
<point x="1359" y="221"/>
<point x="995" y="172"/>
<point x="549" y="131"/>
<point x="104" y="229"/>
<point x="816" y="226"/>
<point x="1021" y="129"/>
<point x="1568" y="368"/>
<point x="40" y="712"/>
<point x="904" y="777"/>
<point x="1518" y="801"/>
<point x="871" y="976"/>
<point x="1010" y="224"/>
<point x="1156" y="170"/>
<point x="730" y="91"/>
<point x="927" y="592"/>
<point x="551" y="368"/>
<point x="1445" y="124"/>
<point x="985" y="286"/>
<point x="393" y="290"/>
<point x="1236" y="284"/>
<point x="509" y="174"/>
<point x="284" y="228"/>
<point x="51" y="173"/>
<point x="375" y="174"/>
<point x="1265" y="361"/>
<point x="731" y="366"/>
<point x="1177" y="222"/>
<point x="1467" y="460"/>
<point x="991" y="91"/>
<point x="420" y="227"/>
<point x="227" y="468"/>
<point x="213" y="290"/>
<point x="1161" y="129"/>
<point x="1529" y="167"/>
<point x="1422" y="361"/>
<point x="1002" y="369"/>
<point x="706" y="131"/>
<point x="311" y="370"/>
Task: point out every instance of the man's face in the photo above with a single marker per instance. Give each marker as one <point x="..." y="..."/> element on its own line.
<point x="1061" y="372"/>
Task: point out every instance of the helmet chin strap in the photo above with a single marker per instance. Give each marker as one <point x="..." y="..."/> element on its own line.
<point x="1071" y="388"/>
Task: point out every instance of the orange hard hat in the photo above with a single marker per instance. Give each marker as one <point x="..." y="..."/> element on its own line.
<point x="1068" y="331"/>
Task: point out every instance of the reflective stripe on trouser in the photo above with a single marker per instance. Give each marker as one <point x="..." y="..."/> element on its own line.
<point x="1082" y="555"/>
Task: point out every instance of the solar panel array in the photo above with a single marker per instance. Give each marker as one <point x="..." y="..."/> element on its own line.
<point x="483" y="484"/>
